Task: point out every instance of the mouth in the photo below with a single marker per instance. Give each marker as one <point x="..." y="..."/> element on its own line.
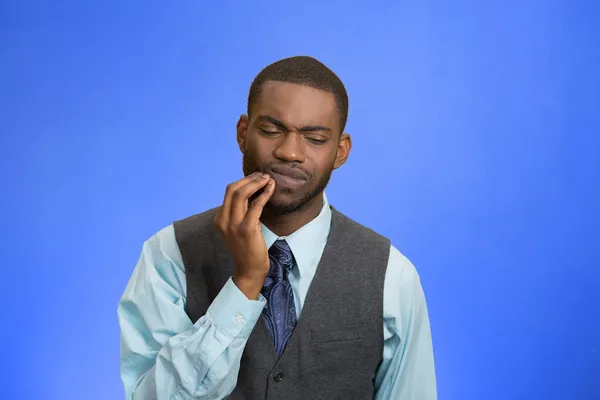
<point x="290" y="178"/>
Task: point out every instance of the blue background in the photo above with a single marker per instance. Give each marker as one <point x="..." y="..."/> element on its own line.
<point x="475" y="127"/>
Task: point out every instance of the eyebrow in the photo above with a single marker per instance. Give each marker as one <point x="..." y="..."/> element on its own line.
<point x="308" y="128"/>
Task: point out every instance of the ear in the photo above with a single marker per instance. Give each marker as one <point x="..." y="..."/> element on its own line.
<point x="242" y="130"/>
<point x="343" y="150"/>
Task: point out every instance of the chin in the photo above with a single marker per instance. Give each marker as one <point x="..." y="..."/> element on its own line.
<point x="286" y="195"/>
<point x="285" y="202"/>
<point x="282" y="200"/>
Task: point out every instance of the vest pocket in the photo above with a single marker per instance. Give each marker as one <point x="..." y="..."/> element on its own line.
<point x="339" y="335"/>
<point x="341" y="363"/>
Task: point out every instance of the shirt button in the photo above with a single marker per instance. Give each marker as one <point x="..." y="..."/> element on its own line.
<point x="278" y="377"/>
<point x="239" y="319"/>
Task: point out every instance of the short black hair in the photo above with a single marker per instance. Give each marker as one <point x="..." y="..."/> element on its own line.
<point x="307" y="71"/>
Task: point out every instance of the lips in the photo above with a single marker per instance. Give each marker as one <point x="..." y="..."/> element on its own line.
<point x="287" y="177"/>
<point x="294" y="173"/>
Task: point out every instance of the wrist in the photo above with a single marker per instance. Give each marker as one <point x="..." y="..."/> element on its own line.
<point x="250" y="286"/>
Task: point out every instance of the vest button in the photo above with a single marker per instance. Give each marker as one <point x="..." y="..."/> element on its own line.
<point x="278" y="377"/>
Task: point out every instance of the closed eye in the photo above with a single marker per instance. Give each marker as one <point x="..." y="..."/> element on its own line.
<point x="317" y="141"/>
<point x="269" y="132"/>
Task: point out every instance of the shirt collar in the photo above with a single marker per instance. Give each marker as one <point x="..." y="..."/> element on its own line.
<point x="306" y="240"/>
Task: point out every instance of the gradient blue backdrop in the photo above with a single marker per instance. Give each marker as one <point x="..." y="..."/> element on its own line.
<point x="476" y="149"/>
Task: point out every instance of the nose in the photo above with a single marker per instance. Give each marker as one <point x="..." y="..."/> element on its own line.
<point x="290" y="148"/>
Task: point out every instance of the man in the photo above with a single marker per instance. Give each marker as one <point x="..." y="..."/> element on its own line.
<point x="275" y="294"/>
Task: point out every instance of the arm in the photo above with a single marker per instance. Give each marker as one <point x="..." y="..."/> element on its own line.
<point x="165" y="356"/>
<point x="407" y="371"/>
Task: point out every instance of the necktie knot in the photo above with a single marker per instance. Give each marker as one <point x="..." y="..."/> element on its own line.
<point x="281" y="258"/>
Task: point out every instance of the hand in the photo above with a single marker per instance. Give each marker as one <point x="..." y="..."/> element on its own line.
<point x="238" y="221"/>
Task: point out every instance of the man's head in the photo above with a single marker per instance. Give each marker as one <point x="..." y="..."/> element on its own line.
<point x="297" y="112"/>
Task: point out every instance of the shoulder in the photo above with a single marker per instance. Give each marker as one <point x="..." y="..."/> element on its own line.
<point x="163" y="247"/>
<point x="159" y="267"/>
<point x="398" y="263"/>
<point x="197" y="227"/>
<point x="196" y="220"/>
<point x="401" y="270"/>
<point x="354" y="228"/>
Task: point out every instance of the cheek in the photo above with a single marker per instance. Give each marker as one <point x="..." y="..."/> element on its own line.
<point x="253" y="149"/>
<point x="258" y="159"/>
<point x="258" y="148"/>
<point x="326" y="162"/>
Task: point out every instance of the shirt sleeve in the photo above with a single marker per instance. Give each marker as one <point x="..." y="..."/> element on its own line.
<point x="407" y="371"/>
<point x="165" y="356"/>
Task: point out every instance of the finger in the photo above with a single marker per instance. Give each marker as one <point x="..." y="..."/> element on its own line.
<point x="241" y="198"/>
<point x="256" y="209"/>
<point x="225" y="210"/>
<point x="239" y="205"/>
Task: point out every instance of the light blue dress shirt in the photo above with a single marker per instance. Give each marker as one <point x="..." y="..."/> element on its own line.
<point x="165" y="356"/>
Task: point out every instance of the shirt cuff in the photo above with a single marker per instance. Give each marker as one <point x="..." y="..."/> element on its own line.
<point x="233" y="312"/>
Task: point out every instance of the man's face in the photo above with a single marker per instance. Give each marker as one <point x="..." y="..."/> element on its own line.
<point x="293" y="134"/>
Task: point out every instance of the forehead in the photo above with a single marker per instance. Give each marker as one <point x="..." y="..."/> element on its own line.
<point x="296" y="104"/>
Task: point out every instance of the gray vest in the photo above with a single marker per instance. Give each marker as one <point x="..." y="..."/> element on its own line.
<point x="338" y="343"/>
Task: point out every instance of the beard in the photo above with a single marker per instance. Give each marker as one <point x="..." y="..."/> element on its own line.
<point x="314" y="187"/>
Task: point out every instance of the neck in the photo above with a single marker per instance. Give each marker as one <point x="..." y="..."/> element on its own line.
<point x="286" y="224"/>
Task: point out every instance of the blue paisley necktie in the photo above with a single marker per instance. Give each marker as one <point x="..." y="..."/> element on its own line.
<point x="280" y="311"/>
